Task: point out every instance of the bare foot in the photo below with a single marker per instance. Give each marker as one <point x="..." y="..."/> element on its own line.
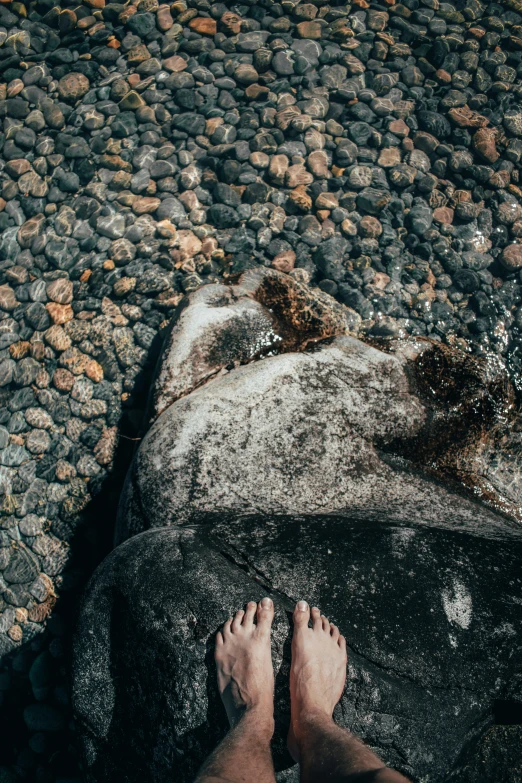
<point x="318" y="670"/>
<point x="244" y="662"/>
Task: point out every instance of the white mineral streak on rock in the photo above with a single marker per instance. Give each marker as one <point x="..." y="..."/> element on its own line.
<point x="457" y="604"/>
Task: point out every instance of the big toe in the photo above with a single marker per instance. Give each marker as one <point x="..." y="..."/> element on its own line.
<point x="265" y="614"/>
<point x="301" y="614"/>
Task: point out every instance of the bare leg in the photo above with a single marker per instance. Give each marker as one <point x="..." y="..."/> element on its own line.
<point x="324" y="751"/>
<point x="246" y="684"/>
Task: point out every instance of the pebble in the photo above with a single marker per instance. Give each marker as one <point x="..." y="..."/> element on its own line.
<point x="8" y="300"/>
<point x="60" y="291"/>
<point x="512" y="257"/>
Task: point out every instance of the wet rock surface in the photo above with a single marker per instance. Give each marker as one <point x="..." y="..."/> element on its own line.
<point x="148" y="150"/>
<point x="407" y="431"/>
<point x="423" y="688"/>
<point x="220" y="327"/>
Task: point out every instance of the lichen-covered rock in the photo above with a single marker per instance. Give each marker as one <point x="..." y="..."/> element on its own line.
<point x="409" y="435"/>
<point x="219" y="326"/>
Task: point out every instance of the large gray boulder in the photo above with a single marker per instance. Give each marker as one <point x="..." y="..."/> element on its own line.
<point x="404" y="437"/>
<point x="432" y="619"/>
<point x="265" y="401"/>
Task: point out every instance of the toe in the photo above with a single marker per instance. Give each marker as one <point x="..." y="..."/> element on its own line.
<point x="251" y="608"/>
<point x="342" y="643"/>
<point x="326" y="623"/>
<point x="236" y="622"/>
<point x="334" y="632"/>
<point x="301" y="614"/>
<point x="265" y="614"/>
<point x="316" y="619"/>
<point x="219" y="641"/>
<point x="226" y="628"/>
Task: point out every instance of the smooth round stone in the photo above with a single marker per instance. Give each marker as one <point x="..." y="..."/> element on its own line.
<point x="40" y="677"/>
<point x="73" y="86"/>
<point x="26" y="371"/>
<point x="310" y="50"/>
<point x="38" y="417"/>
<point x="434" y="123"/>
<point x="513" y="121"/>
<point x="31" y="525"/>
<point x="402" y="175"/>
<point x="359" y="132"/>
<point x="466" y="280"/>
<point x="283" y="63"/>
<point x="13" y="455"/>
<point x="37" y="316"/>
<point x="360" y="177"/>
<point x="60" y="291"/>
<point x="420" y="218"/>
<point x="246" y="74"/>
<point x="511" y="257"/>
<point x="141" y="24"/>
<point x="37" y="291"/>
<point x="8" y="300"/>
<point x="251" y="41"/>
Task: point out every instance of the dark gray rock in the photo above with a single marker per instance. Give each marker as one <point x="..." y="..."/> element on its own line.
<point x="37" y="316"/>
<point x="422" y="699"/>
<point x="310" y="51"/>
<point x="26" y="371"/>
<point x="9" y="247"/>
<point x="434" y="123"/>
<point x="283" y="63"/>
<point x="141" y="24"/>
<point x="329" y="258"/>
<point x="193" y="124"/>
<point x="7" y="368"/>
<point x="172" y="209"/>
<point x="23" y="566"/>
<point x="373" y="200"/>
<point x="223" y="216"/>
<point x="420" y="218"/>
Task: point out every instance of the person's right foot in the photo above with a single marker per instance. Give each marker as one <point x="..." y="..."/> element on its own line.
<point x="317" y="673"/>
<point x="244" y="662"/>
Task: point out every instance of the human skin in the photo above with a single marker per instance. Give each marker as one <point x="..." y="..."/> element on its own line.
<point x="324" y="751"/>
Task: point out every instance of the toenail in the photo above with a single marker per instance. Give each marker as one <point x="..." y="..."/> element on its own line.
<point x="266" y="603"/>
<point x="302" y="606"/>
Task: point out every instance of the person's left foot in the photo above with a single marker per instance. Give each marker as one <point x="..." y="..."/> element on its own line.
<point x="244" y="661"/>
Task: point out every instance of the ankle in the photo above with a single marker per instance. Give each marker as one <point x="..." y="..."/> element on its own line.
<point x="310" y="720"/>
<point x="260" y="719"/>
